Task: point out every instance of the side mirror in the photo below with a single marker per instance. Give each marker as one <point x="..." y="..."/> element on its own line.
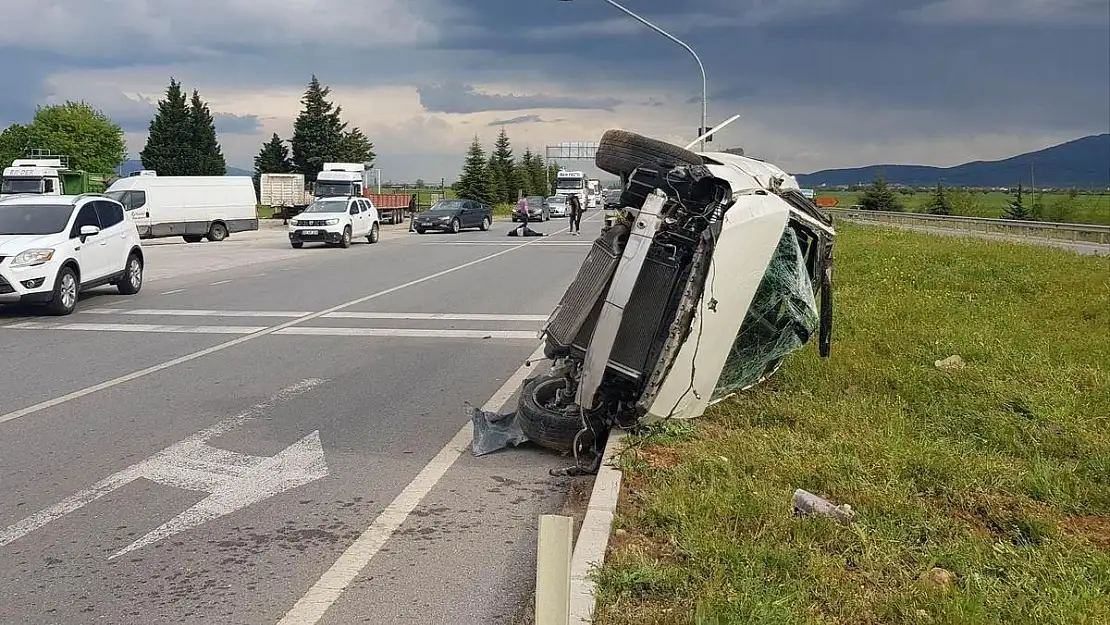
<point x="89" y="231"/>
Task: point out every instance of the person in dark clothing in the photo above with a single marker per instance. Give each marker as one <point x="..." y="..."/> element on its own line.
<point x="575" y="213"/>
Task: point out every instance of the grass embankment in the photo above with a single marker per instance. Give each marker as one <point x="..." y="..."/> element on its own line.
<point x="1087" y="208"/>
<point x="997" y="473"/>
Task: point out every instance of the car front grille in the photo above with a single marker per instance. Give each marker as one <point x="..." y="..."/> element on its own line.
<point x="312" y="222"/>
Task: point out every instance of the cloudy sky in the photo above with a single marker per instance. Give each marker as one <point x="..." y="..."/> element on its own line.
<point x="818" y="83"/>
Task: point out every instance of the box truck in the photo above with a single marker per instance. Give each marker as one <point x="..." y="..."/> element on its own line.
<point x="191" y="207"/>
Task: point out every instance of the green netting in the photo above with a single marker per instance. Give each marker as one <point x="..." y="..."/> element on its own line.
<point x="781" y="319"/>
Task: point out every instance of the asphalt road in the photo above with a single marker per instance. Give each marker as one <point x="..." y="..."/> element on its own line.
<point x="267" y="435"/>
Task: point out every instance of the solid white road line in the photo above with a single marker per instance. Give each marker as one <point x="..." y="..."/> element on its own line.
<point x="174" y="291"/>
<point x="429" y="333"/>
<point x="327" y="590"/>
<point x="422" y="333"/>
<point x="89" y="390"/>
<point x="219" y="283"/>
<point x="410" y="316"/>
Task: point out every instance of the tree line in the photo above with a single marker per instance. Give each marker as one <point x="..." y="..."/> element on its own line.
<point x="879" y="196"/>
<point x="500" y="178"/>
<point x="88" y="137"/>
<point x="319" y="136"/>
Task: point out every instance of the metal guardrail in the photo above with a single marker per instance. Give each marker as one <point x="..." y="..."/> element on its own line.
<point x="1078" y="233"/>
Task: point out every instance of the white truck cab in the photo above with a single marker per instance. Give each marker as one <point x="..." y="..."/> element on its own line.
<point x="39" y="176"/>
<point x="341" y="180"/>
<point x="569" y="183"/>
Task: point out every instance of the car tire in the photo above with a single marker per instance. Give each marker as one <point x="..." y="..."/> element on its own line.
<point x="420" y="231"/>
<point x="217" y="232"/>
<point x="132" y="281"/>
<point x="193" y="238"/>
<point x="67" y="286"/>
<point x="620" y="152"/>
<point x="297" y="244"/>
<point x="456" y="226"/>
<point x="485" y="224"/>
<point x="374" y="235"/>
<point x="547" y="428"/>
<point x="345" y="240"/>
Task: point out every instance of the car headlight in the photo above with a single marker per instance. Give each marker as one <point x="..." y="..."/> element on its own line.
<point x="331" y="222"/>
<point x="448" y="218"/>
<point x="31" y="258"/>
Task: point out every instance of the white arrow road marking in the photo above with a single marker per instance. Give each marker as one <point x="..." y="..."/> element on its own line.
<point x="233" y="480"/>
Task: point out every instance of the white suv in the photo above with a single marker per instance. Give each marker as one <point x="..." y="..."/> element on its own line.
<point x="53" y="247"/>
<point x="335" y="221"/>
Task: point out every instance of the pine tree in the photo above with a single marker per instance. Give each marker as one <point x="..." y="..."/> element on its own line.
<point x="879" y="197"/>
<point x="496" y="182"/>
<point x="523" y="173"/>
<point x="505" y="168"/>
<point x="169" y="145"/>
<point x="539" y="175"/>
<point x="1017" y="208"/>
<point x="354" y="147"/>
<point x="318" y="131"/>
<point x="209" y="158"/>
<point x="939" y="204"/>
<point x="474" y="182"/>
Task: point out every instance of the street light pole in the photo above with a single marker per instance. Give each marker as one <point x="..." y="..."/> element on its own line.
<point x="704" y="98"/>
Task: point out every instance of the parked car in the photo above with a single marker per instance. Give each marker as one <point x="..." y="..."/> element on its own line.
<point x="335" y="220"/>
<point x="537" y="209"/>
<point x="54" y="247"/>
<point x="557" y="206"/>
<point x="455" y="215"/>
<point x="714" y="270"/>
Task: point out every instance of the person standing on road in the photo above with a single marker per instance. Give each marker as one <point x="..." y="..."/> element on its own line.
<point x="575" y="213"/>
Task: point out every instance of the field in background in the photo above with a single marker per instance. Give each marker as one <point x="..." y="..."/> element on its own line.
<point x="982" y="493"/>
<point x="1085" y="208"/>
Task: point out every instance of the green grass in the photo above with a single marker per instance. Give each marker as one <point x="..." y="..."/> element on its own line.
<point x="998" y="473"/>
<point x="1088" y="208"/>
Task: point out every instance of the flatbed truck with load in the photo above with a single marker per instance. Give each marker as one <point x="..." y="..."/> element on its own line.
<point x="284" y="193"/>
<point x="48" y="176"/>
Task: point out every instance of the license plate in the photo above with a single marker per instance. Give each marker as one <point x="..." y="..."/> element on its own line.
<point x="310" y="233"/>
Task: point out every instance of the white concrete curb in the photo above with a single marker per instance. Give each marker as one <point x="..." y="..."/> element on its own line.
<point x="593" y="537"/>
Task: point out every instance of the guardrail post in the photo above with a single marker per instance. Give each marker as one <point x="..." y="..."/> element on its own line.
<point x="553" y="570"/>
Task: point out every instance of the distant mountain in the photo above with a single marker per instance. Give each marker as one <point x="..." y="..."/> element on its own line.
<point x="1083" y="163"/>
<point x="132" y="166"/>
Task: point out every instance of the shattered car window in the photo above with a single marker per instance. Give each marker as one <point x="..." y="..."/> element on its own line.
<point x="782" y="317"/>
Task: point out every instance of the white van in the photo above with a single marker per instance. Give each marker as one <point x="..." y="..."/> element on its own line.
<point x="191" y="207"/>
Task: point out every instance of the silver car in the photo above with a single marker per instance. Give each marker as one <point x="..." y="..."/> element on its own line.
<point x="557" y="206"/>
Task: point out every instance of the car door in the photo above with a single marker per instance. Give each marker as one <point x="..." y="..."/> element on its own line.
<point x="371" y="215"/>
<point x="92" y="252"/>
<point x="473" y="214"/>
<point x="136" y="208"/>
<point x="113" y="232"/>
<point x="367" y="215"/>
<point x="357" y="219"/>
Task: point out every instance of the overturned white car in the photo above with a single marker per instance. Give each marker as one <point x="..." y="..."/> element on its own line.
<point x="710" y="276"/>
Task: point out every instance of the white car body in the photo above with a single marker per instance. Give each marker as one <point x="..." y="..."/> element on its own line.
<point x="91" y="237"/>
<point x="336" y="220"/>
<point x="749" y="235"/>
<point x="192" y="207"/>
<point x="556" y="206"/>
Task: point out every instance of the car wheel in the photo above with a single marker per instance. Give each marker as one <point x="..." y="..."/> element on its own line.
<point x="193" y="238"/>
<point x="346" y="240"/>
<point x="485" y="224"/>
<point x="545" y="427"/>
<point x="374" y="235"/>
<point x="620" y="152"/>
<point x="297" y="244"/>
<point x="456" y="226"/>
<point x="420" y="231"/>
<point x="132" y="279"/>
<point x="217" y="232"/>
<point x="66" y="287"/>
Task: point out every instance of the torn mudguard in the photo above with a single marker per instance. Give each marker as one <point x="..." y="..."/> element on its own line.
<point x="494" y="431"/>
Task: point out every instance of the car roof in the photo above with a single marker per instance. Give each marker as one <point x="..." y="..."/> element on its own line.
<point x="38" y="198"/>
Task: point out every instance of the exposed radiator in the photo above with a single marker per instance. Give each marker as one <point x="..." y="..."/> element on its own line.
<point x="588" y="288"/>
<point x="643" y="319"/>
